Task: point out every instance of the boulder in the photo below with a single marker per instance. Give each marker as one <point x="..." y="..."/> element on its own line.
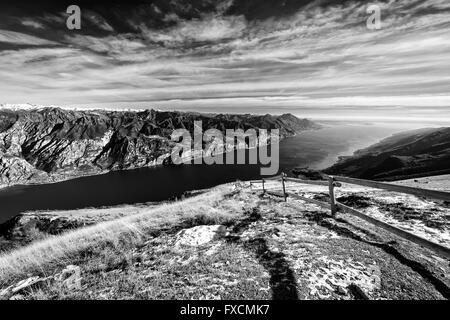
<point x="200" y="235"/>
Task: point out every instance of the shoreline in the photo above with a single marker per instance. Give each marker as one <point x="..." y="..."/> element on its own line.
<point x="156" y="163"/>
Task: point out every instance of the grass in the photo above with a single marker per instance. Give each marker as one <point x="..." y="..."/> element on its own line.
<point x="56" y="251"/>
<point x="96" y="214"/>
<point x="168" y="274"/>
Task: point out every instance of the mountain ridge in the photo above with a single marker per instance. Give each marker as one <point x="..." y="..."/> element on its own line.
<point x="403" y="155"/>
<point x="52" y="144"/>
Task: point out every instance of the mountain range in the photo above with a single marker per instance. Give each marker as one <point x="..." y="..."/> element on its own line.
<point x="53" y="144"/>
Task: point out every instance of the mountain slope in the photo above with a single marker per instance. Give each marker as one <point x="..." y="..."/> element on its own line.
<point x="407" y="154"/>
<point x="231" y="242"/>
<point x="52" y="144"/>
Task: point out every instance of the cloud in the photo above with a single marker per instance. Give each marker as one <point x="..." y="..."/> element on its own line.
<point x="112" y="45"/>
<point x="33" y="24"/>
<point x="319" y="58"/>
<point x="209" y="29"/>
<point x="18" y="38"/>
<point x="97" y="20"/>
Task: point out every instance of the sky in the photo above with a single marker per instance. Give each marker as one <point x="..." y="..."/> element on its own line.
<point x="313" y="58"/>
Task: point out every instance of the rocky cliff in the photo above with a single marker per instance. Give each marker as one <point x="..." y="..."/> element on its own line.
<point x="52" y="144"/>
<point x="405" y="155"/>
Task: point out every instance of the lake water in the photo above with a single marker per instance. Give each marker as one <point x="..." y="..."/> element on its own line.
<point x="316" y="149"/>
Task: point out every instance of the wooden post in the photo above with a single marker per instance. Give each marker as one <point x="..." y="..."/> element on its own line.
<point x="264" y="191"/>
<point x="332" y="196"/>
<point x="284" y="187"/>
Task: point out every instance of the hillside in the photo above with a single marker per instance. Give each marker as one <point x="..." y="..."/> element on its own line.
<point x="232" y="242"/>
<point x="405" y="155"/>
<point x="52" y="144"/>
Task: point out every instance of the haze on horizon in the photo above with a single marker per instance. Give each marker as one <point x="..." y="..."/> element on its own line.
<point x="311" y="58"/>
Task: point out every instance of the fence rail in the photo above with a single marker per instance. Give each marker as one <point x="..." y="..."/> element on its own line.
<point x="426" y="193"/>
<point x="335" y="206"/>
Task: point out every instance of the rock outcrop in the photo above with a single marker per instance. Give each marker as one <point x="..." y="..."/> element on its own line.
<point x="199" y="235"/>
<point x="52" y="144"/>
<point x="69" y="278"/>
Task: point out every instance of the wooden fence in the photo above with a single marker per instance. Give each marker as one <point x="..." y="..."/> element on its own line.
<point x="334" y="206"/>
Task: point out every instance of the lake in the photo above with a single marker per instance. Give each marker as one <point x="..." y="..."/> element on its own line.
<point x="316" y="149"/>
